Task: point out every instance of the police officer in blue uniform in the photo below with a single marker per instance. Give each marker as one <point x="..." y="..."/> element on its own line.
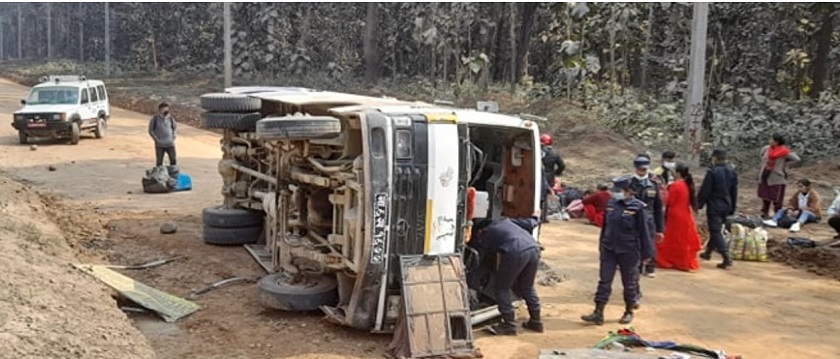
<point x="647" y="191"/>
<point x="624" y="243"/>
<point x="511" y="240"/>
<point x="719" y="194"/>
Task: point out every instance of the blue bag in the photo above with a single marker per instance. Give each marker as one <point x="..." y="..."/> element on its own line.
<point x="184" y="182"/>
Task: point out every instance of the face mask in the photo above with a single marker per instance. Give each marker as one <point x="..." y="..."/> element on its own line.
<point x="618" y="196"/>
<point x="670" y="165"/>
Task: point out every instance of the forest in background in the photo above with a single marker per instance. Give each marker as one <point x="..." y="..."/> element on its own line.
<point x="770" y="67"/>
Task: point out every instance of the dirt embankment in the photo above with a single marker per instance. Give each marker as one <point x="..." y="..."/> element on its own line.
<point x="47" y="308"/>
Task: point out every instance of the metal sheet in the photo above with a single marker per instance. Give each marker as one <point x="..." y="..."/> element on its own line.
<point x="436" y="305"/>
<point x="168" y="306"/>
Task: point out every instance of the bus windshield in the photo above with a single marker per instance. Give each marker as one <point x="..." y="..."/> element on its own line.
<point x="56" y="95"/>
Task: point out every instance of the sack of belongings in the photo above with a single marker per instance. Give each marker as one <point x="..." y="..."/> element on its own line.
<point x="747" y="244"/>
<point x="744" y="220"/>
<point x="157" y="180"/>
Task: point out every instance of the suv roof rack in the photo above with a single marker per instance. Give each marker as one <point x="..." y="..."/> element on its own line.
<point x="62" y="78"/>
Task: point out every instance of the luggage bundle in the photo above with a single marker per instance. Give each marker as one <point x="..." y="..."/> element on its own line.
<point x="747" y="244"/>
<point x="162" y="179"/>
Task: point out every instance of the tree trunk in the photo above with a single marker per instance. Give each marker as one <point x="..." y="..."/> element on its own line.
<point x="81" y="33"/>
<point x="498" y="47"/>
<point x="528" y="18"/>
<point x="49" y="31"/>
<point x="228" y="46"/>
<point x="646" y="54"/>
<point x="19" y="32"/>
<point x="370" y="41"/>
<point x="107" y="41"/>
<point x="512" y="22"/>
<point x="612" y="49"/>
<point x="823" y="37"/>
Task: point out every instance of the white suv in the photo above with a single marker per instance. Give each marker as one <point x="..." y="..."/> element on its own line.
<point x="63" y="107"/>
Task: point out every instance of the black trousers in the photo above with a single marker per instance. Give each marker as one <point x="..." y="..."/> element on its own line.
<point x="717" y="243"/>
<point x="628" y="265"/>
<point x="516" y="274"/>
<point x="834" y="222"/>
<point x="169" y="151"/>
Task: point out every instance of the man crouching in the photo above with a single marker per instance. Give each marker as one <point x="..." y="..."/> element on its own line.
<point x="511" y="241"/>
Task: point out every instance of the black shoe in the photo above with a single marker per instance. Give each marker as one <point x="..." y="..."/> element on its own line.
<point x="627" y="318"/>
<point x="533" y="326"/>
<point x="597" y="317"/>
<point x="724" y="265"/>
<point x="706" y="256"/>
<point x="594" y="318"/>
<point x="503" y="328"/>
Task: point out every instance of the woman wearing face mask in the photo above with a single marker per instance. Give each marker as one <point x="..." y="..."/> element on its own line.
<point x="624" y="244"/>
<point x="678" y="250"/>
<point x="666" y="170"/>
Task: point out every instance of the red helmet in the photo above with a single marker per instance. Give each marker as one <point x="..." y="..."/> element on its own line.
<point x="546" y="139"/>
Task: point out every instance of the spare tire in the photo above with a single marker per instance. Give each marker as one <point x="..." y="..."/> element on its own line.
<point x="221" y="217"/>
<point x="310" y="294"/>
<point x="231" y="236"/>
<point x="298" y="128"/>
<point x="230" y="121"/>
<point x="230" y="102"/>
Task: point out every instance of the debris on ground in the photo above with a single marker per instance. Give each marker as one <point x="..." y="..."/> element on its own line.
<point x="147" y="265"/>
<point x="51" y="168"/>
<point x="590" y="354"/>
<point x="33" y="147"/>
<point x="168" y="306"/>
<point x="626" y="338"/>
<point x="551" y="278"/>
<point x="223" y="283"/>
<point x="169" y="228"/>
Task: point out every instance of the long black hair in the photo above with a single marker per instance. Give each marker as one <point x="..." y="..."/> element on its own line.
<point x="682" y="169"/>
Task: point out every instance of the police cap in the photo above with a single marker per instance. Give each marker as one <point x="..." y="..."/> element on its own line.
<point x="623" y="182"/>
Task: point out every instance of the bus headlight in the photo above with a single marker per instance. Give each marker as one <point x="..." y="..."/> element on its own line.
<point x="19" y="118"/>
<point x="404" y="144"/>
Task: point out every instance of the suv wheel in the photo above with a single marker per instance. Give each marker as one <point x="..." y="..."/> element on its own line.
<point x="298" y="128"/>
<point x="75" y="133"/>
<point x="100" y="129"/>
<point x="23" y="137"/>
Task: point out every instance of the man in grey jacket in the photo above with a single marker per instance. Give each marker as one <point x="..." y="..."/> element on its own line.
<point x="162" y="129"/>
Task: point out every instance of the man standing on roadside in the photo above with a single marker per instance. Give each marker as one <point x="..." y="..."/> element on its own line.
<point x="162" y="129"/>
<point x="719" y="194"/>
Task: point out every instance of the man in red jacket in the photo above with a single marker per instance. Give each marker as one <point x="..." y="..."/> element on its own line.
<point x="595" y="205"/>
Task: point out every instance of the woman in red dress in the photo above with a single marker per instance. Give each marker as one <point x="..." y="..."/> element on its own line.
<point x="678" y="248"/>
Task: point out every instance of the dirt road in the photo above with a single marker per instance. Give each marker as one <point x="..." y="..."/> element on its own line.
<point x="760" y="310"/>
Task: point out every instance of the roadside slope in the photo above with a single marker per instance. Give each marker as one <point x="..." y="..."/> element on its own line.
<point x="47" y="308"/>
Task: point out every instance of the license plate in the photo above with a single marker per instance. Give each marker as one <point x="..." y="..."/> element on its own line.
<point x="36" y="125"/>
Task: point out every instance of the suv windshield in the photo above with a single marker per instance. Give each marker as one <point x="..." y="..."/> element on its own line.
<point x="54" y="95"/>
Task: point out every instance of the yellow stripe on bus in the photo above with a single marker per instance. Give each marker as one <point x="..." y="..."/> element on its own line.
<point x="442" y="118"/>
<point x="428" y="241"/>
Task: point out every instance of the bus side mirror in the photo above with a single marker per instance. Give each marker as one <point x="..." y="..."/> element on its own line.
<point x="23" y="102"/>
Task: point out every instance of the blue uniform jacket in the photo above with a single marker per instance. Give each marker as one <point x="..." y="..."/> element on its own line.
<point x="719" y="190"/>
<point x="508" y="235"/>
<point x="625" y="228"/>
<point x="648" y="192"/>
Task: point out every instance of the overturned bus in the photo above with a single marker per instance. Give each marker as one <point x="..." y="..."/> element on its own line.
<point x="347" y="184"/>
